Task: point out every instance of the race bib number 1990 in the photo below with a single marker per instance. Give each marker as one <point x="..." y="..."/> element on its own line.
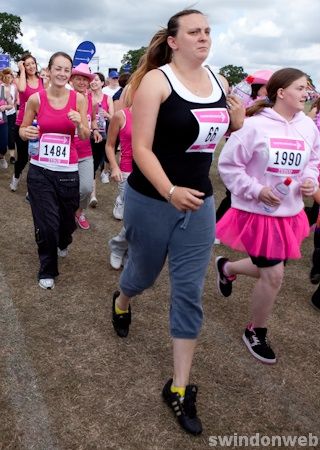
<point x="287" y="156"/>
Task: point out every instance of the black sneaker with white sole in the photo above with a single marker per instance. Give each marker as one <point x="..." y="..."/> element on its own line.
<point x="224" y="283"/>
<point x="184" y="409"/>
<point x="257" y="344"/>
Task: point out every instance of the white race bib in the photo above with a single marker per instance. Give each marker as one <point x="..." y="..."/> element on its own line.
<point x="213" y="124"/>
<point x="287" y="156"/>
<point x="55" y="149"/>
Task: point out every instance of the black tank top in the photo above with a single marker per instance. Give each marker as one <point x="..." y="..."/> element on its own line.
<point x="187" y="130"/>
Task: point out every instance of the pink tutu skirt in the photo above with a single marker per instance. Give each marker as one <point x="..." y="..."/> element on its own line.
<point x="260" y="235"/>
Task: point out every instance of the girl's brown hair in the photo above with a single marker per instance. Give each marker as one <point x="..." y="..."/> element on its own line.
<point x="55" y="55"/>
<point x="280" y="79"/>
<point x="26" y="56"/>
<point x="316" y="104"/>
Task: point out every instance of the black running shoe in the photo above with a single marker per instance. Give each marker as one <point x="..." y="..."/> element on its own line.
<point x="120" y="322"/>
<point x="224" y="284"/>
<point x="315" y="299"/>
<point x="185" y="410"/>
<point x="257" y="344"/>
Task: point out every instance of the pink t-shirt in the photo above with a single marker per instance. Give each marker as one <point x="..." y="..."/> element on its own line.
<point x="83" y="146"/>
<point x="104" y="103"/>
<point x="24" y="96"/>
<point x="57" y="150"/>
<point x="125" y="135"/>
<point x="317" y="120"/>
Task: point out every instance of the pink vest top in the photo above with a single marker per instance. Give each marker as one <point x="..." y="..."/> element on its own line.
<point x="83" y="146"/>
<point x="125" y="135"/>
<point x="23" y="97"/>
<point x="51" y="120"/>
<point x="104" y="103"/>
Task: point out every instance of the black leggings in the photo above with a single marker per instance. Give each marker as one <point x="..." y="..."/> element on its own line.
<point x="262" y="262"/>
<point x="11" y="131"/>
<point x="224" y="205"/>
<point x="22" y="153"/>
<point x="3" y="138"/>
<point x="98" y="153"/>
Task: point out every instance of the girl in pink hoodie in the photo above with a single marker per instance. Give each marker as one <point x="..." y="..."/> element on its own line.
<point x="277" y="141"/>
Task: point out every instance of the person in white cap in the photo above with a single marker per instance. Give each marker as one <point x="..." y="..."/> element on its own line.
<point x="113" y="84"/>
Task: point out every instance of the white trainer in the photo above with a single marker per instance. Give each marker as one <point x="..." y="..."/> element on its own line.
<point x="14" y="183"/>
<point x="62" y="253"/>
<point x="93" y="201"/>
<point x="115" y="261"/>
<point x="3" y="163"/>
<point x="104" y="177"/>
<point x="46" y="283"/>
<point x="118" y="210"/>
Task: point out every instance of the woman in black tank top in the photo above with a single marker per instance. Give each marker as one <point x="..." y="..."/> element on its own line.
<point x="179" y="115"/>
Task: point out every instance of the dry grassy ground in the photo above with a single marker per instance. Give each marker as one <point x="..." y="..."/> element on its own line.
<point x="68" y="382"/>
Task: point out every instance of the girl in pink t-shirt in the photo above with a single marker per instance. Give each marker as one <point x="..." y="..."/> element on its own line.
<point x="103" y="106"/>
<point x="120" y="125"/>
<point x="53" y="179"/>
<point x="315" y="112"/>
<point x="28" y="83"/>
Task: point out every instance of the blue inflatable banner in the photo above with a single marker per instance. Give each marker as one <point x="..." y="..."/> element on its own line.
<point x="84" y="53"/>
<point x="4" y="61"/>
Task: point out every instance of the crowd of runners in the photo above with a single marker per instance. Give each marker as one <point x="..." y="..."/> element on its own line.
<point x="154" y="133"/>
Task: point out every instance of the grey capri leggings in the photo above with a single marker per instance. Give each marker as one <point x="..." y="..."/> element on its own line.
<point x="156" y="229"/>
<point x="86" y="180"/>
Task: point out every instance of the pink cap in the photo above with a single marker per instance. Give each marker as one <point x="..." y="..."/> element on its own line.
<point x="261" y="76"/>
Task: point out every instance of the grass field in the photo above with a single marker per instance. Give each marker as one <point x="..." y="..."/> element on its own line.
<point x="68" y="382"/>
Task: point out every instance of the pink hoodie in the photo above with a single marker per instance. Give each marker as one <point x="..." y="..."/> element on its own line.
<point x="265" y="151"/>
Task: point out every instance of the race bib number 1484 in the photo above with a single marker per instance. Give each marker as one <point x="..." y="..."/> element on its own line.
<point x="55" y="149"/>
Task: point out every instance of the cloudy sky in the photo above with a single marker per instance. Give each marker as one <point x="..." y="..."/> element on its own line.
<point x="247" y="33"/>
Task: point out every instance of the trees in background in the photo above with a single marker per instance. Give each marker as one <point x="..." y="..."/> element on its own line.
<point x="132" y="58"/>
<point x="9" y="32"/>
<point x="234" y="74"/>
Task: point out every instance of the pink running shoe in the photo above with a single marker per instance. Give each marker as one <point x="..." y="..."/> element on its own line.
<point x="82" y="222"/>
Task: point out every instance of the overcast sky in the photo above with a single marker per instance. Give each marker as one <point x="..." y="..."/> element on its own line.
<point x="248" y="33"/>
